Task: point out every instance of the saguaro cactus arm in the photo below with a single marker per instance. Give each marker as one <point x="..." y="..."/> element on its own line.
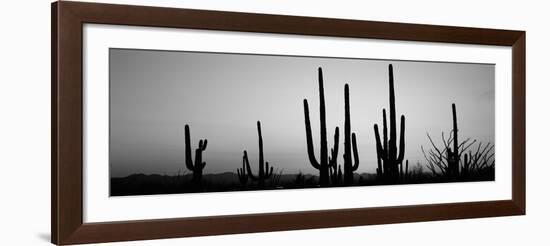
<point x="268" y="170"/>
<point x="402" y="141"/>
<point x="381" y="154"/>
<point x="333" y="160"/>
<point x="382" y="144"/>
<point x="355" y="153"/>
<point x="203" y="146"/>
<point x="188" y="157"/>
<point x="247" y="164"/>
<point x="385" y="132"/>
<point x="309" y="138"/>
<point x="379" y="147"/>
<point x="379" y="170"/>
<point x="241" y="173"/>
<point x="198" y="163"/>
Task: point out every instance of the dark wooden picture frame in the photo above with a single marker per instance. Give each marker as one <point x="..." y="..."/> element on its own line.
<point x="67" y="123"/>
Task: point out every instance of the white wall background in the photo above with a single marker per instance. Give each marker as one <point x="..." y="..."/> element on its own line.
<point x="25" y="123"/>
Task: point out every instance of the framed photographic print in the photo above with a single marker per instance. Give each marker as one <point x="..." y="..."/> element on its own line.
<point x="175" y="122"/>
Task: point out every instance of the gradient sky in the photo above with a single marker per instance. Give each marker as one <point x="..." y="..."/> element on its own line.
<point x="153" y="94"/>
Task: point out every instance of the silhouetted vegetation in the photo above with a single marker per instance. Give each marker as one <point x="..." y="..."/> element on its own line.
<point x="275" y="179"/>
<point x="199" y="165"/>
<point x="389" y="159"/>
<point x="322" y="165"/>
<point x="335" y="170"/>
<point x="453" y="161"/>
<point x="241" y="173"/>
<point x="263" y="173"/>
<point x="141" y="184"/>
<point x="300" y="179"/>
<point x="349" y="140"/>
<point x="336" y="176"/>
<point x="404" y="174"/>
<point x="457" y="160"/>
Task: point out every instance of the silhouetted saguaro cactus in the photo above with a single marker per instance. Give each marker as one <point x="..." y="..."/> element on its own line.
<point x="349" y="140"/>
<point x="198" y="165"/>
<point x="333" y="161"/>
<point x="446" y="161"/>
<point x="389" y="158"/>
<point x="322" y="165"/>
<point x="453" y="156"/>
<point x="382" y="168"/>
<point x="241" y="173"/>
<point x="265" y="171"/>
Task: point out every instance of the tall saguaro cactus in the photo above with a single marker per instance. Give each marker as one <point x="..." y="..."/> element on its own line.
<point x="389" y="157"/>
<point x="323" y="164"/>
<point x="453" y="156"/>
<point x="198" y="165"/>
<point x="349" y="140"/>
<point x="265" y="171"/>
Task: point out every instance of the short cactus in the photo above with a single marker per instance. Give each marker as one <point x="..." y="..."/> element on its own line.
<point x="265" y="171"/>
<point x="198" y="165"/>
<point x="241" y="173"/>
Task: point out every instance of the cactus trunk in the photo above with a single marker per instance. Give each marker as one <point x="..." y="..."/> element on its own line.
<point x="453" y="156"/>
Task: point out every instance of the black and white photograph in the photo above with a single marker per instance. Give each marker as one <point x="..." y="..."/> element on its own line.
<point x="186" y="122"/>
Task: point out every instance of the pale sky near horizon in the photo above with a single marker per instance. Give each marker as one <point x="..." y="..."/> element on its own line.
<point x="153" y="94"/>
